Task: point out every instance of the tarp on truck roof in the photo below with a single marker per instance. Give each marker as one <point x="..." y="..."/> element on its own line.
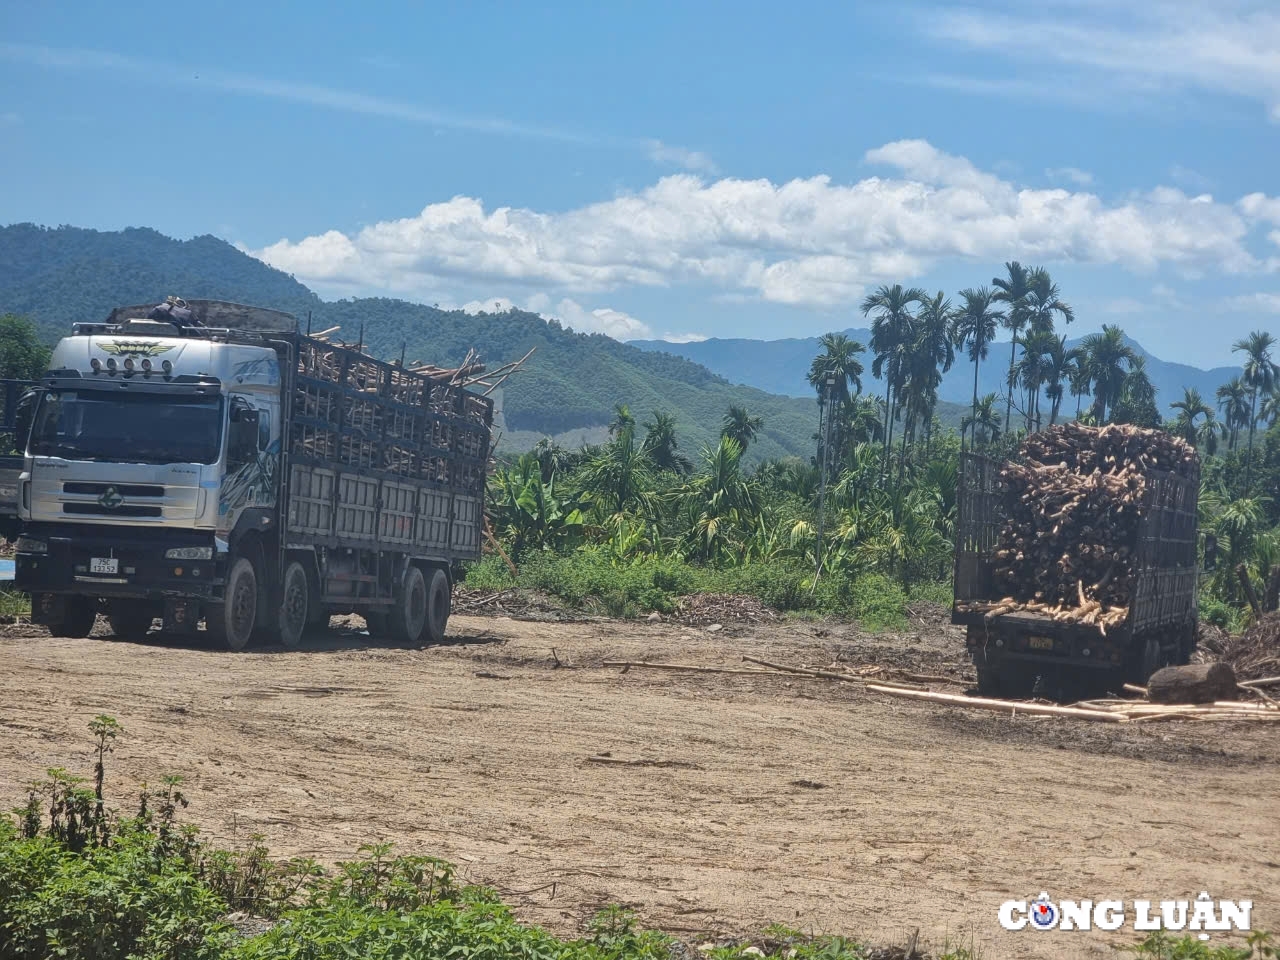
<point x="219" y="313"/>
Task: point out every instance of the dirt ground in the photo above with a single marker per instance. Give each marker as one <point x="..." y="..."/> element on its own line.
<point x="806" y="802"/>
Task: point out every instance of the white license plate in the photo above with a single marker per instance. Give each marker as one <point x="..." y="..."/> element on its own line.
<point x="104" y="565"/>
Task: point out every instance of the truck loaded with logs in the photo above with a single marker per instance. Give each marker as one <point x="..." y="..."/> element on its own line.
<point x="212" y="463"/>
<point x="1076" y="559"/>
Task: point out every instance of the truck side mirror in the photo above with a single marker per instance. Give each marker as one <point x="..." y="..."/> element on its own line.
<point x="24" y="411"/>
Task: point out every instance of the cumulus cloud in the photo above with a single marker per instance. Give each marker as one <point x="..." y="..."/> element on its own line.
<point x="1226" y="47"/>
<point x="810" y="242"/>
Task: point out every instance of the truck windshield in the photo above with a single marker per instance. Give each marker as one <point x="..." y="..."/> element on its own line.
<point x="126" y="428"/>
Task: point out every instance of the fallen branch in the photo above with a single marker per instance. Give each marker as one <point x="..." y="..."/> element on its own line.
<point x="1264" y="682"/>
<point x="825" y="674"/>
<point x="999" y="706"/>
<point x="628" y="664"/>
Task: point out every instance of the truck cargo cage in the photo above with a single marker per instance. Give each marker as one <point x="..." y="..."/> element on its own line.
<point x="1165" y="545"/>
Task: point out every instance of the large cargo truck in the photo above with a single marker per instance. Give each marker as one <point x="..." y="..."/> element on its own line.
<point x="1011" y="649"/>
<point x="238" y="472"/>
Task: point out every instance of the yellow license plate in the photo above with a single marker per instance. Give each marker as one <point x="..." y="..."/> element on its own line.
<point x="1040" y="643"/>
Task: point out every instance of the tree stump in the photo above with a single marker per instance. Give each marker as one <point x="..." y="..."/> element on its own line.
<point x="1195" y="683"/>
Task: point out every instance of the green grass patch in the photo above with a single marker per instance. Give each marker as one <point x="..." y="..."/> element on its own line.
<point x="14" y="603"/>
<point x="588" y="579"/>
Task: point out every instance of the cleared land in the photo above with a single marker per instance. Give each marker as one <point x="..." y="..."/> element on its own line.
<point x="801" y="801"/>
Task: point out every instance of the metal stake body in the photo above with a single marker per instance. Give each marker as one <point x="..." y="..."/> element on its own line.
<point x="825" y="429"/>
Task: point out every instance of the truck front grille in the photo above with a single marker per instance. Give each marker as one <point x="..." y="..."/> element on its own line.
<point x="123" y="510"/>
<point x="124" y="489"/>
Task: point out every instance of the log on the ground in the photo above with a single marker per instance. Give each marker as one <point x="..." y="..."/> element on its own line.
<point x="1194" y="683"/>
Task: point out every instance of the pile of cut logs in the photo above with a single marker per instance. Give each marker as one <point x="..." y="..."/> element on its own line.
<point x="1074" y="498"/>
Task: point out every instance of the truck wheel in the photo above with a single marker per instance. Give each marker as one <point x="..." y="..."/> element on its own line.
<point x="1146" y="663"/>
<point x="409" y="615"/>
<point x="439" y="600"/>
<point x="131" y="622"/>
<point x="79" y="618"/>
<point x="232" y="620"/>
<point x="295" y="605"/>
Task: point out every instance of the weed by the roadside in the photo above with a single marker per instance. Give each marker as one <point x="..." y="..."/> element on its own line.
<point x="14" y="603"/>
<point x="1162" y="945"/>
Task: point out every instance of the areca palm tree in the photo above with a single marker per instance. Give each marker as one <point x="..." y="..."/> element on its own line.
<point x="1035" y="368"/>
<point x="1062" y="370"/>
<point x="741" y="426"/>
<point x="839" y="357"/>
<point x="890" y="342"/>
<point x="934" y="352"/>
<point x="974" y="327"/>
<point x="1137" y="403"/>
<point x="984" y="418"/>
<point x="1233" y="401"/>
<point x="1013" y="289"/>
<point x="661" y="445"/>
<point x="1260" y="375"/>
<point x="1043" y="302"/>
<point x="1190" y="409"/>
<point x="1081" y="380"/>
<point x="622" y="422"/>
<point x="1108" y="359"/>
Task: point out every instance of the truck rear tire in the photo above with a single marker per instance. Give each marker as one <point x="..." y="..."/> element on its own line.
<point x="1145" y="662"/>
<point x="295" y="605"/>
<point x="409" y="615"/>
<point x="79" y="618"/>
<point x="131" y="622"/>
<point x="439" y="600"/>
<point x="232" y="620"/>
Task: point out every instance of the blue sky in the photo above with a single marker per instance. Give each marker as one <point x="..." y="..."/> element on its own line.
<point x="707" y="169"/>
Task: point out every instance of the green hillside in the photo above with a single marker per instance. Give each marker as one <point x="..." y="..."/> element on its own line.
<point x="569" y="389"/>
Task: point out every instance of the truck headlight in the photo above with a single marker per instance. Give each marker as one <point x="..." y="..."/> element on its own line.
<point x="189" y="553"/>
<point x="31" y="545"/>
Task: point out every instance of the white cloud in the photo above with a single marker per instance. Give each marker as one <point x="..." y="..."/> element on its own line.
<point x="809" y="241"/>
<point x="1226" y="47"/>
<point x="667" y="155"/>
<point x="684" y="337"/>
<point x="1265" y="302"/>
<point x="570" y="313"/>
<point x="1077" y="176"/>
<point x="1258" y="206"/>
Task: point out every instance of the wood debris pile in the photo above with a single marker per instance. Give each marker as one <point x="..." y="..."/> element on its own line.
<point x="1254" y="653"/>
<point x="1074" y="497"/>
<point x="700" y="609"/>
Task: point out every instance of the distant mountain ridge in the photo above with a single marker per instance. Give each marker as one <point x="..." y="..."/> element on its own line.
<point x="567" y="391"/>
<point x="779" y="366"/>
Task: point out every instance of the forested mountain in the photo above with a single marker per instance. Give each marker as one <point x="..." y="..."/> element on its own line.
<point x="571" y="386"/>
<point x="779" y="366"/>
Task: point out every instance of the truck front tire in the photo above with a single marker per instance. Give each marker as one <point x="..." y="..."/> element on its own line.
<point x="78" y="619"/>
<point x="232" y="621"/>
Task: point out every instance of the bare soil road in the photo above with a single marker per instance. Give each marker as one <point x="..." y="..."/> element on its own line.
<point x="800" y="801"/>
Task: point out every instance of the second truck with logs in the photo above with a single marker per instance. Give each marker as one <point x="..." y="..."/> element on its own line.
<point x="227" y="468"/>
<point x="1076" y="559"/>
